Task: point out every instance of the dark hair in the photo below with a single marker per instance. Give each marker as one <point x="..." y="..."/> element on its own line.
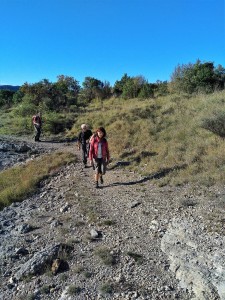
<point x="102" y="129"/>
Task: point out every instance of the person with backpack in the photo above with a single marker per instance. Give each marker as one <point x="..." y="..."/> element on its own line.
<point x="37" y="123"/>
<point x="99" y="154"/>
<point x="83" y="142"/>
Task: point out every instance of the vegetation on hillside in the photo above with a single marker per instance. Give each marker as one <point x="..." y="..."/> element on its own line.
<point x="176" y="138"/>
<point x="18" y="182"/>
<point x="171" y="131"/>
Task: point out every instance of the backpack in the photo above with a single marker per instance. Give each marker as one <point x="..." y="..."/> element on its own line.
<point x="36" y="118"/>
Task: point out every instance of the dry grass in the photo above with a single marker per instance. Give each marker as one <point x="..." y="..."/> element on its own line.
<point x="163" y="136"/>
<point x="18" y="182"/>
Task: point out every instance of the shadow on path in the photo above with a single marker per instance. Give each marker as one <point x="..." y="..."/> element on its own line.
<point x="162" y="173"/>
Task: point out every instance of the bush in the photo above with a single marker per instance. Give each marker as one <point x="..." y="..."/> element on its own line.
<point x="56" y="123"/>
<point x="215" y="123"/>
<point x="25" y="109"/>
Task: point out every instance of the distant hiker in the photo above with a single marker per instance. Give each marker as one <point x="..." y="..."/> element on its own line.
<point x="83" y="142"/>
<point x="37" y="123"/>
<point x="99" y="154"/>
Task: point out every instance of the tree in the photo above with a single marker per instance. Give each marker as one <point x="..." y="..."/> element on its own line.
<point x="65" y="91"/>
<point x="160" y="88"/>
<point x="53" y="96"/>
<point x="37" y="90"/>
<point x="146" y="91"/>
<point x="119" y="85"/>
<point x="18" y="97"/>
<point x="198" y="77"/>
<point x="6" y="97"/>
<point x="220" y="76"/>
<point x="136" y="87"/>
<point x="107" y="90"/>
<point x="92" y="88"/>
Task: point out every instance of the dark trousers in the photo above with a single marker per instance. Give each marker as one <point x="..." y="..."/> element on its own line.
<point x="37" y="132"/>
<point x="85" y="152"/>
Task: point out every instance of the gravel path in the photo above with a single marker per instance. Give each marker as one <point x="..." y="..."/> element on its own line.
<point x="129" y="239"/>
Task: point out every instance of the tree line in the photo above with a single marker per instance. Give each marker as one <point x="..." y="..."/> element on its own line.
<point x="67" y="94"/>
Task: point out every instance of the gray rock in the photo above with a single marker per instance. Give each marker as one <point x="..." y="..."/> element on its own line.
<point x="198" y="269"/>
<point x="36" y="264"/>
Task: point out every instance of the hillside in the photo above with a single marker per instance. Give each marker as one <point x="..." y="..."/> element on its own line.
<point x="13" y="88"/>
<point x="180" y="136"/>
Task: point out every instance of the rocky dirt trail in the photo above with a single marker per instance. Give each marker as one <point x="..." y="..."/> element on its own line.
<point x="129" y="239"/>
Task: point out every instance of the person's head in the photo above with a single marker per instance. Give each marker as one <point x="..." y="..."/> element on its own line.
<point x="101" y="133"/>
<point x="39" y="114"/>
<point x="84" y="127"/>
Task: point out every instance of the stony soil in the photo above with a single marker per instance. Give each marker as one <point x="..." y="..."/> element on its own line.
<point x="129" y="239"/>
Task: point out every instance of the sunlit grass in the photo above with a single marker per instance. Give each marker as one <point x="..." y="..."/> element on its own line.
<point x="18" y="182"/>
<point x="165" y="133"/>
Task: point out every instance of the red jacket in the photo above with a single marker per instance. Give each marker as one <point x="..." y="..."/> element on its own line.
<point x="93" y="152"/>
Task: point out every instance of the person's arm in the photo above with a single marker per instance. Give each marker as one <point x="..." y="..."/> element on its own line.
<point x="91" y="152"/>
<point x="79" y="141"/>
<point x="107" y="151"/>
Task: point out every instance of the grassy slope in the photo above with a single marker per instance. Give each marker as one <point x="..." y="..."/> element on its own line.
<point x="163" y="136"/>
<point x="18" y="182"/>
<point x="157" y="136"/>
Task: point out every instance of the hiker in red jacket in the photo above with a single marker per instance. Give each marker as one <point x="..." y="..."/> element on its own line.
<point x="99" y="154"/>
<point x="37" y="123"/>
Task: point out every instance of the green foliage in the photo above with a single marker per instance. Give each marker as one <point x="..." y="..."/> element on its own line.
<point x="53" y="96"/>
<point x="119" y="85"/>
<point x="93" y="89"/>
<point x="160" y="88"/>
<point x="162" y="138"/>
<point x="6" y="98"/>
<point x="56" y="123"/>
<point x="136" y="87"/>
<point x="146" y="91"/>
<point x="133" y="87"/>
<point x="25" y="108"/>
<point x="198" y="77"/>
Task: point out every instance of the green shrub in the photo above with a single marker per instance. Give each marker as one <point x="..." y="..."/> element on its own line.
<point x="55" y="123"/>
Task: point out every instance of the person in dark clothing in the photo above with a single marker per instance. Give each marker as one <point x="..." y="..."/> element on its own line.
<point x="83" y="142"/>
<point x="37" y="123"/>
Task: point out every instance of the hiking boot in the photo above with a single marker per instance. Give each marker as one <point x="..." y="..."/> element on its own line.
<point x="101" y="180"/>
<point x="96" y="185"/>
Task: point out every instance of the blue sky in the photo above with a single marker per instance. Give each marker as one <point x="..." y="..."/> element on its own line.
<point x="107" y="38"/>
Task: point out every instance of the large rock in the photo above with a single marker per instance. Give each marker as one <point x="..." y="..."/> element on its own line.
<point x="197" y="258"/>
<point x="38" y="262"/>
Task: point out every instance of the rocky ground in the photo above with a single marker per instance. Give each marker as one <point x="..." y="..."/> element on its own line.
<point x="129" y="239"/>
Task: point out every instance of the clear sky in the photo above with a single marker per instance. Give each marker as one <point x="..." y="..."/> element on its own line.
<point x="41" y="39"/>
